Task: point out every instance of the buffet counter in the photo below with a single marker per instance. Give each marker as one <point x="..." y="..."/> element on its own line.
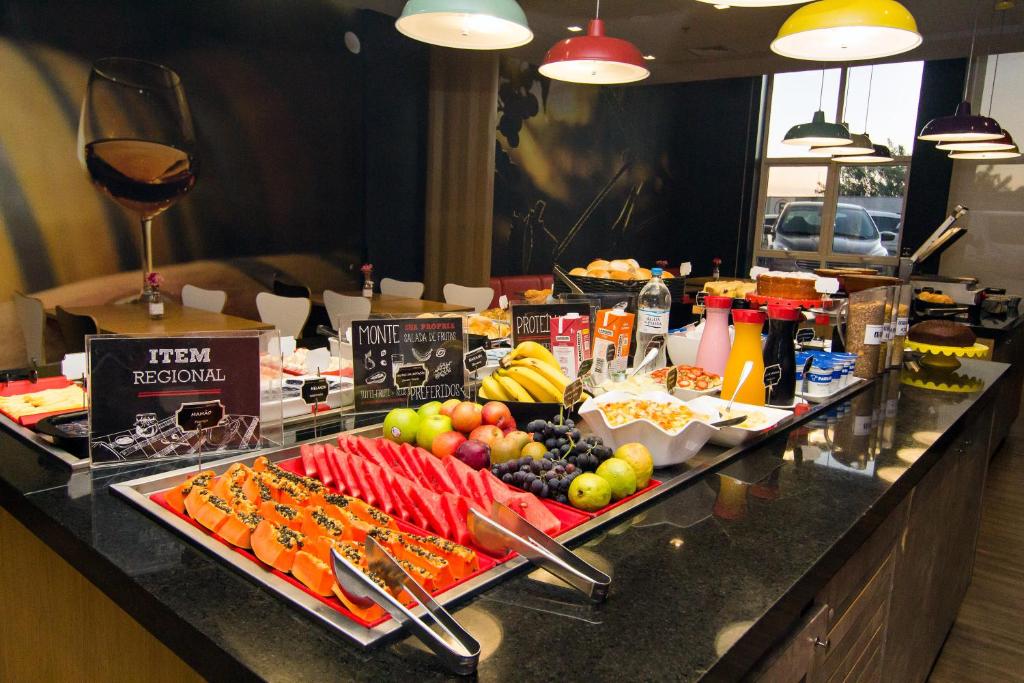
<point x="855" y="526"/>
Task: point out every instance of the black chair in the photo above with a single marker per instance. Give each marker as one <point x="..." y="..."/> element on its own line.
<point x="74" y="328"/>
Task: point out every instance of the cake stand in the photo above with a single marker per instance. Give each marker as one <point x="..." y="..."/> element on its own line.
<point x="946" y="357"/>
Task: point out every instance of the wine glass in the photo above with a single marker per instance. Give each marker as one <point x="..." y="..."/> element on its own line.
<point x="135" y="139"/>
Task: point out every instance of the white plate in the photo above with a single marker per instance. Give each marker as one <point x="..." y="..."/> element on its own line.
<point x="687" y="394"/>
<point x="737" y="436"/>
<point x="667" y="448"/>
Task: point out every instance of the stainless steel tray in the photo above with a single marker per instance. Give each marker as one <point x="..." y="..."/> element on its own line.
<point x="137" y="492"/>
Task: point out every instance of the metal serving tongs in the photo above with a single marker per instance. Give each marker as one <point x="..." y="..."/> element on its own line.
<point x="454" y="646"/>
<point x="505" y="531"/>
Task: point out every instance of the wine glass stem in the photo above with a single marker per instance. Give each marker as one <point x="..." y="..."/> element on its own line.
<point x="147" y="255"/>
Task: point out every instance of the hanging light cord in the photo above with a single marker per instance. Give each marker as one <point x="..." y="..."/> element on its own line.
<point x="867" y="108"/>
<point x="821" y="93"/>
<point x="597" y="13"/>
<point x="970" y="59"/>
<point x="995" y="69"/>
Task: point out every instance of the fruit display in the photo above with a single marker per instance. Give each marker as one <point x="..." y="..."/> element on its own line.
<point x="462" y="429"/>
<point x="290" y="522"/>
<point x="549" y="465"/>
<point x="63" y="399"/>
<point x="617" y="269"/>
<point x="528" y="374"/>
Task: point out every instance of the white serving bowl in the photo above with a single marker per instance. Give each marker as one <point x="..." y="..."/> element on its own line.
<point x="667" y="448"/>
<point x="682" y="350"/>
<point x="736" y="435"/>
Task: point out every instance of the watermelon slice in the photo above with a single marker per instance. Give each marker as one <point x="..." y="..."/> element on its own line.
<point x="323" y="467"/>
<point x="400" y="490"/>
<point x="376" y="452"/>
<point x="372" y="476"/>
<point x="455" y="512"/>
<point x="368" y="450"/>
<point x="490" y="484"/>
<point x="388" y="480"/>
<point x="437" y="475"/>
<point x="352" y="462"/>
<point x="308" y="464"/>
<point x="340" y="461"/>
<point x="390" y="452"/>
<point x="412" y="464"/>
<point x="529" y="507"/>
<point x="429" y="504"/>
<point x="452" y="464"/>
<point x="333" y="470"/>
<point x="469" y="487"/>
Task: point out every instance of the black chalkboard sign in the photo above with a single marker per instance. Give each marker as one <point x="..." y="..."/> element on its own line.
<point x="314" y="390"/>
<point x="671" y="379"/>
<point x="161" y="397"/>
<point x="804" y="335"/>
<point x="772" y="375"/>
<point x="476" y="359"/>
<point x="199" y="415"/>
<point x="407" y="361"/>
<point x="586" y="366"/>
<point x="572" y="394"/>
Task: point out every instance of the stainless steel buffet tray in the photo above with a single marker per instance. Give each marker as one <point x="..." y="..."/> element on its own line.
<point x="137" y="492"/>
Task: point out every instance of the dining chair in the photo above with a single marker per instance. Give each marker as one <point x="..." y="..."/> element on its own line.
<point x="33" y="323"/>
<point x="409" y="290"/>
<point x="205" y="299"/>
<point x="282" y="288"/>
<point x="479" y="298"/>
<point x="287" y="313"/>
<point x="343" y="309"/>
<point x="74" y="328"/>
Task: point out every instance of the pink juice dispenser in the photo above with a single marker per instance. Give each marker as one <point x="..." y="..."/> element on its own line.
<point x="713" y="351"/>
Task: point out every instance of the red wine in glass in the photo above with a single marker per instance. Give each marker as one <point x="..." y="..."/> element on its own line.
<point x="135" y="139"/>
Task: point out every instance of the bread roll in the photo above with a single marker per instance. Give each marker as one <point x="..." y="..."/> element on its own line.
<point x="598" y="273"/>
<point x="599" y="264"/>
<point x="642" y="274"/>
<point x="620" y="265"/>
<point x="633" y="262"/>
<point x="621" y="275"/>
<point x="578" y="271"/>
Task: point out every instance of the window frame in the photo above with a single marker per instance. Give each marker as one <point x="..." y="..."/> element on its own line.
<point x="830" y="200"/>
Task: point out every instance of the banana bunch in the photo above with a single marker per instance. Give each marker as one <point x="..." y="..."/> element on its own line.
<point x="529" y="374"/>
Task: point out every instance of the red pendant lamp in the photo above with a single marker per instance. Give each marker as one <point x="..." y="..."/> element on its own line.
<point x="595" y="58"/>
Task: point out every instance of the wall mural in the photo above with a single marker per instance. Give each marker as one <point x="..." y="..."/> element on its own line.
<point x="585" y="173"/>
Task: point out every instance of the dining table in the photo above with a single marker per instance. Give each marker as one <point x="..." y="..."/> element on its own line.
<point x="388" y="304"/>
<point x="133" y="318"/>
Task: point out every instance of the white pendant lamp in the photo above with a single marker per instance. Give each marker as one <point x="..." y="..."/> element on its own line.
<point x="847" y="30"/>
<point x="466" y="24"/>
<point x="1012" y="153"/>
<point x="881" y="155"/>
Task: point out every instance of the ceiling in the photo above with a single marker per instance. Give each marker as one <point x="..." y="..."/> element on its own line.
<point x="694" y="41"/>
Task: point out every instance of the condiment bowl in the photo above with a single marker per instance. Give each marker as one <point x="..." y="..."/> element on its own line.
<point x="667" y="448"/>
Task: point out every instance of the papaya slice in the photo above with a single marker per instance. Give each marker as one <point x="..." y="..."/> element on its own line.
<point x="211" y="511"/>
<point x="402" y="549"/>
<point x="282" y="514"/>
<point x="463" y="560"/>
<point x="276" y="545"/>
<point x="317" y="522"/>
<point x="176" y="497"/>
<point x="356" y="528"/>
<point x="313" y="572"/>
<point x="243" y="520"/>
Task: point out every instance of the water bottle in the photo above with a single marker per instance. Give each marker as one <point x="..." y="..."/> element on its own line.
<point x="652" y="319"/>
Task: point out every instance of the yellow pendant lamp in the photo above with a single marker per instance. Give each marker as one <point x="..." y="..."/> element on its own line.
<point x="847" y="30"/>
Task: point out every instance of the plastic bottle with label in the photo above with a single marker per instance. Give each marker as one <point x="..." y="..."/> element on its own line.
<point x="653" y="307"/>
<point x="780" y="355"/>
<point x="746" y="346"/>
<point x="713" y="351"/>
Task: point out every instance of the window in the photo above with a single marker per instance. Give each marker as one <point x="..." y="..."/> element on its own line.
<point x="816" y="211"/>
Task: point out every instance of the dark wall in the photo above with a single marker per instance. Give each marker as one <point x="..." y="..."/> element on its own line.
<point x="303" y="145"/>
<point x="646" y="172"/>
<point x="931" y="168"/>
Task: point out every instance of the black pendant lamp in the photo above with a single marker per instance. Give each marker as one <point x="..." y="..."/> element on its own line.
<point x="963" y="126"/>
<point x="818" y="131"/>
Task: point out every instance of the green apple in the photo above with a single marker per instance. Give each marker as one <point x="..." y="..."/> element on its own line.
<point x="401" y="425"/>
<point x="430" y="428"/>
<point x="429" y="409"/>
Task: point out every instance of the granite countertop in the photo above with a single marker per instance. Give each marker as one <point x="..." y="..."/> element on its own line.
<point x="705" y="578"/>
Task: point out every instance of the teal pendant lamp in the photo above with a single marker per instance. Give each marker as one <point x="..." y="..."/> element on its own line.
<point x="818" y="132"/>
<point x="466" y="24"/>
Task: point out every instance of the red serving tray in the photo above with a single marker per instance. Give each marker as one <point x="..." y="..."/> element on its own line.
<point x="569" y="518"/>
<point x="24" y="386"/>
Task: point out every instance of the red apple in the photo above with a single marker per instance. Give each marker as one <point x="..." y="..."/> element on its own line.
<point x="449" y="406"/>
<point x="466" y="417"/>
<point x="475" y="454"/>
<point x="510" y="426"/>
<point x="496" y="413"/>
<point x="446" y="443"/>
<point x="487" y="434"/>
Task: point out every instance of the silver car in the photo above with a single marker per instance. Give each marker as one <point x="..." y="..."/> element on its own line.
<point x="799" y="227"/>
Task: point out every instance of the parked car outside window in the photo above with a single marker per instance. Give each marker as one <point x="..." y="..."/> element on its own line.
<point x="798" y="228"/>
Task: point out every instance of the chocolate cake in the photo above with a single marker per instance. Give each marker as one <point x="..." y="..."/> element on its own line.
<point x="942" y="333"/>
